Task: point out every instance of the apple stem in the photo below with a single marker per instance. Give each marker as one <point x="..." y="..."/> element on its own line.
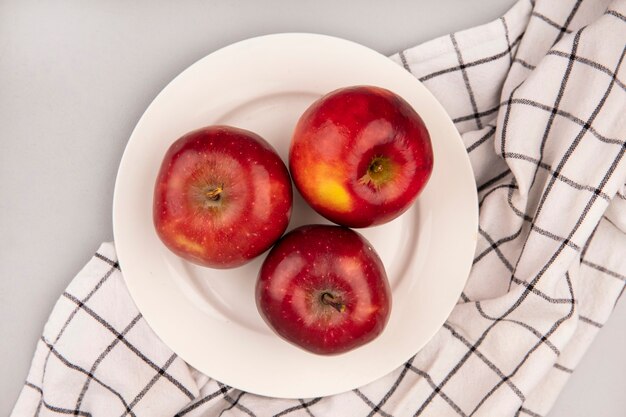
<point x="329" y="299"/>
<point x="214" y="193"/>
<point x="379" y="171"/>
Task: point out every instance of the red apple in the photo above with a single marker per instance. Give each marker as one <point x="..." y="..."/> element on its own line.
<point x="324" y="289"/>
<point x="222" y="197"/>
<point x="360" y="156"/>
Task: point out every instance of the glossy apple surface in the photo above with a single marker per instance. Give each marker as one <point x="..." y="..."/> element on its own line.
<point x="360" y="156"/>
<point x="222" y="197"/>
<point x="324" y="289"/>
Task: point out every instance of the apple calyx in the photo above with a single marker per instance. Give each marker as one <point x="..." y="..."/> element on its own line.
<point x="330" y="300"/>
<point x="379" y="171"/>
<point x="214" y="193"/>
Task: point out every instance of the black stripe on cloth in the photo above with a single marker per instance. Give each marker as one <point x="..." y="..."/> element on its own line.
<point x="549" y="21"/>
<point x="510" y="186"/>
<point x="203" y="400"/>
<point x="558" y="175"/>
<point x="505" y="121"/>
<point x="91" y="293"/>
<point x="65" y="410"/>
<point x="515" y="210"/>
<point x="538" y="229"/>
<point x="546" y="108"/>
<point x="486" y="361"/>
<point x="571" y="118"/>
<point x="33" y="386"/>
<point x="564" y="240"/>
<point x="149" y="385"/>
<point x="95" y="365"/>
<point x="553" y="329"/>
<point x="526" y="326"/>
<point x="468" y="87"/>
<point x="405" y="64"/>
<point x="441" y="393"/>
<point x="611" y="221"/>
<point x="473" y="63"/>
<point x="494" y="246"/>
<point x="493" y="180"/>
<point x="619" y="296"/>
<point x="38" y="410"/>
<point x="590" y="63"/>
<point x="235" y="402"/>
<point x="541" y="294"/>
<point x="555" y="106"/>
<point x="530" y="413"/>
<point x="508" y="39"/>
<point x="40" y="391"/>
<point x="564" y="29"/>
<point x="480" y="114"/>
<point x="524" y="63"/>
<point x="393" y="388"/>
<point x="369" y="402"/>
<point x="603" y="269"/>
<point x="304" y="405"/>
<point x="130" y="346"/>
<point x="482" y="139"/>
<point x="53" y="408"/>
<point x="75" y="367"/>
<point x="616" y="14"/>
<point x="589" y="240"/>
<point x="111" y="262"/>
<point x="564" y="369"/>
<point x="589" y="321"/>
<point x="439" y="387"/>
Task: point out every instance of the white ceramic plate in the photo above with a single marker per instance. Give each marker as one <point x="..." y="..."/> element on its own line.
<point x="209" y="317"/>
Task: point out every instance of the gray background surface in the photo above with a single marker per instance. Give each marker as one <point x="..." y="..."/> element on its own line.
<point x="75" y="76"/>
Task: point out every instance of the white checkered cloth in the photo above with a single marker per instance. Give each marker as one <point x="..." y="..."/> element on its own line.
<point x="540" y="100"/>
